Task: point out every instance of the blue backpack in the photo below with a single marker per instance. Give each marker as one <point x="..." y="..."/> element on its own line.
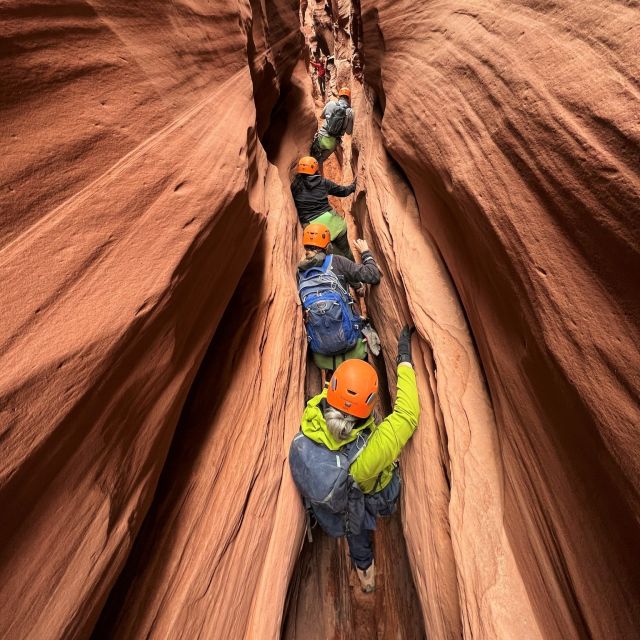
<point x="329" y="490"/>
<point x="323" y="479"/>
<point x="332" y="325"/>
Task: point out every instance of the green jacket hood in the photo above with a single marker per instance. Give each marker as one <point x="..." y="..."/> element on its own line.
<point x="314" y="425"/>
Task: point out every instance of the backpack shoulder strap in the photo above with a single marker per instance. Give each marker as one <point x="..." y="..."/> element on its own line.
<point x="303" y="275"/>
<point x="326" y="265"/>
<point x="343" y="289"/>
<point x="358" y="446"/>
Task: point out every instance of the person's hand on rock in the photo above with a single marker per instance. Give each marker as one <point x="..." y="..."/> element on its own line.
<point x="361" y="245"/>
<point x="404" y="345"/>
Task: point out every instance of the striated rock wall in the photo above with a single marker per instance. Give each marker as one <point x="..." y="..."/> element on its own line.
<point x="516" y="127"/>
<point x="134" y="192"/>
<point x="146" y="222"/>
<point x="218" y="548"/>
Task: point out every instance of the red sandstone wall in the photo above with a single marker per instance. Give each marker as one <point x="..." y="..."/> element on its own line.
<point x="217" y="551"/>
<point x="134" y="193"/>
<point x="133" y="196"/>
<point x="516" y="126"/>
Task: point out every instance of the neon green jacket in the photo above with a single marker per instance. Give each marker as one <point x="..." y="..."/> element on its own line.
<point x="386" y="440"/>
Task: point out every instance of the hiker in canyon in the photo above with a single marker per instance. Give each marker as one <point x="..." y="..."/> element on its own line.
<point x="344" y="464"/>
<point x="321" y="73"/>
<point x="310" y="194"/>
<point x="324" y="281"/>
<point x="338" y="120"/>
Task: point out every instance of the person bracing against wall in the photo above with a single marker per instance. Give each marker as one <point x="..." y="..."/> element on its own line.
<point x="310" y="193"/>
<point x="338" y="120"/>
<point x="334" y="326"/>
<point x="321" y="73"/>
<point x="344" y="464"/>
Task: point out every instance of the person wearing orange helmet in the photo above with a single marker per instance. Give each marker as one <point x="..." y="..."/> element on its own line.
<point x="337" y="274"/>
<point x="316" y="239"/>
<point x="344" y="464"/>
<point x="311" y="193"/>
<point x="338" y="120"/>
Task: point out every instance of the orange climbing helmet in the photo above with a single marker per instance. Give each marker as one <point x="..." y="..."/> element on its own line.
<point x="316" y="235"/>
<point x="353" y="388"/>
<point x="346" y="92"/>
<point x="307" y="165"/>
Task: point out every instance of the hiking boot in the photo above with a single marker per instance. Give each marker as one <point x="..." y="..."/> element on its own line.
<point x="367" y="578"/>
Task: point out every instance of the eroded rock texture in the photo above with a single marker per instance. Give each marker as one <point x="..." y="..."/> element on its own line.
<point x="147" y="222"/>
<point x="134" y="192"/>
<point x="453" y="500"/>
<point x="217" y="551"/>
<point x="517" y="129"/>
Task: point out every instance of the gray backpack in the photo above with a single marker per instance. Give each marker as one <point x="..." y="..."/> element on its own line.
<point x="336" y="123"/>
<point x="323" y="479"/>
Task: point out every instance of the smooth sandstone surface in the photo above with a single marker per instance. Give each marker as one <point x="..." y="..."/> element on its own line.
<point x="151" y="346"/>
<point x="516" y="127"/>
<point x="134" y="194"/>
<point x="451" y="468"/>
<point x="220" y="543"/>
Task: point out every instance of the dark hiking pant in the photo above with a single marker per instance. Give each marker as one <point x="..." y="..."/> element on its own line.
<point x="319" y="153"/>
<point x="361" y="548"/>
<point x="381" y="503"/>
<point x="341" y="247"/>
<point x="321" y="85"/>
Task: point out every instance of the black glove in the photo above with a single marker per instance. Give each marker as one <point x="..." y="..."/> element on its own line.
<point x="404" y="345"/>
<point x="353" y="185"/>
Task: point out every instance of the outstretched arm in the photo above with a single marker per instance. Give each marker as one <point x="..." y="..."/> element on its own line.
<point x="393" y="432"/>
<point x="355" y="273"/>
<point x="342" y="191"/>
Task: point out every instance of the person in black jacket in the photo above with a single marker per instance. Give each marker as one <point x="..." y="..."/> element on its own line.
<point x="350" y="274"/>
<point x="310" y="193"/>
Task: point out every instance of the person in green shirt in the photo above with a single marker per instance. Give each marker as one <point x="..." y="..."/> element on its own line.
<point x="337" y="417"/>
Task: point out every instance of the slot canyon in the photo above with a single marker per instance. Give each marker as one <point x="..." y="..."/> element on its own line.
<point x="153" y="359"/>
